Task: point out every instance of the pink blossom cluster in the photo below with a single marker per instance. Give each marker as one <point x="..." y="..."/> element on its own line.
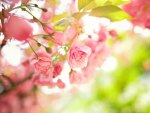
<point x="50" y="49"/>
<point x="16" y="95"/>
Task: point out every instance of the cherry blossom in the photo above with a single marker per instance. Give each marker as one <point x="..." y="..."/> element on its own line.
<point x="42" y="63"/>
<point x="18" y="28"/>
<point x="139" y="10"/>
<point x="57" y="69"/>
<point x="78" y="56"/>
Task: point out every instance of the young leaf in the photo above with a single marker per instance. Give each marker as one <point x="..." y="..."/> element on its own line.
<point x="114" y="13"/>
<point x="78" y="15"/>
<point x="62" y="24"/>
<point x="51" y="44"/>
<point x="118" y="2"/>
<point x="57" y="18"/>
<point x="83" y="3"/>
<point x="97" y="3"/>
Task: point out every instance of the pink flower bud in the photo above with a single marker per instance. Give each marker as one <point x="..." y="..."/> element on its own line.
<point x="48" y="29"/>
<point x="57" y="69"/>
<point x="70" y="33"/>
<point x="102" y="35"/>
<point x="18" y="28"/>
<point x="46" y="16"/>
<point x="91" y="43"/>
<point x="113" y="33"/>
<point x="60" y="84"/>
<point x="43" y="80"/>
<point x="59" y="38"/>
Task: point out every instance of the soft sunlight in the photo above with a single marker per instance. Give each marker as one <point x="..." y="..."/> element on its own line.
<point x="109" y="64"/>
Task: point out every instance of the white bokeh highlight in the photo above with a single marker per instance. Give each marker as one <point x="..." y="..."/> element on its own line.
<point x="110" y="64"/>
<point x="12" y="53"/>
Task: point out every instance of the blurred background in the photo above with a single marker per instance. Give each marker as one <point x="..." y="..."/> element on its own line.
<point x="120" y="85"/>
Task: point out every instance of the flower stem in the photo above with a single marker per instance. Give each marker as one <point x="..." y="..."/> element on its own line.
<point x="42" y="23"/>
<point x="33" y="50"/>
<point x="39" y="35"/>
<point x="39" y="43"/>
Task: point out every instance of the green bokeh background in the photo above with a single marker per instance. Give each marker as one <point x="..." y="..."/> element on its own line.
<point x="126" y="89"/>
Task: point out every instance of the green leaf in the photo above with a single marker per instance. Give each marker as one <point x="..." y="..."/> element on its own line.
<point x="97" y="3"/>
<point x="94" y="4"/>
<point x="114" y="13"/>
<point x="51" y="44"/>
<point x="78" y="15"/>
<point x="117" y="2"/>
<point x="57" y="18"/>
<point x="62" y="24"/>
<point x="83" y="3"/>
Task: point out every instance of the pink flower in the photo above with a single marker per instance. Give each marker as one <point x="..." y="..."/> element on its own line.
<point x="42" y="64"/>
<point x="59" y="38"/>
<point x="78" y="56"/>
<point x="76" y="77"/>
<point x="60" y="84"/>
<point x="43" y="80"/>
<point x="5" y="107"/>
<point x="25" y="1"/>
<point x="140" y="11"/>
<point x="46" y="16"/>
<point x="57" y="69"/>
<point x="147" y="23"/>
<point x="48" y="29"/>
<point x="12" y="1"/>
<point x="70" y="33"/>
<point x="18" y="28"/>
<point x="102" y="34"/>
<point x="91" y="43"/>
<point x="113" y="33"/>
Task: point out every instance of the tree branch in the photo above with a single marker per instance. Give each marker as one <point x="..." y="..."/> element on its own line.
<point x="6" y="91"/>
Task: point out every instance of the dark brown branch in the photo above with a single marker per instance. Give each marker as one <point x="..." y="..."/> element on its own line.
<point x="8" y="79"/>
<point x="6" y="91"/>
<point x="2" y="16"/>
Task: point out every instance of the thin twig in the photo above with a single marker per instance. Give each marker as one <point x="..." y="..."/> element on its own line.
<point x="42" y="23"/>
